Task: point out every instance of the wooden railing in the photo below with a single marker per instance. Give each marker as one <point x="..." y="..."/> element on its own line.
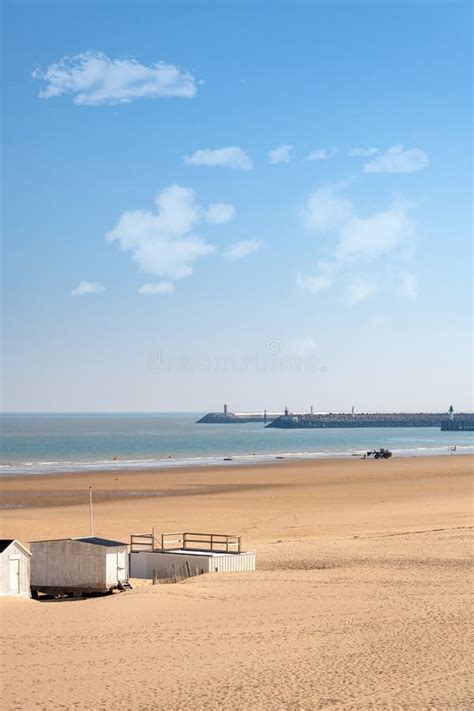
<point x="143" y="542"/>
<point x="218" y="542"/>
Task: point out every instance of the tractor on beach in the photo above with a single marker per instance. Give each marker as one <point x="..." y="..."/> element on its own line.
<point x="381" y="453"/>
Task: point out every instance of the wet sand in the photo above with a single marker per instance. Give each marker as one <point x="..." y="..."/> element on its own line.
<point x="361" y="599"/>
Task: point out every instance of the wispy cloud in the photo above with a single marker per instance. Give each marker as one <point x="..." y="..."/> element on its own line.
<point x="220" y="212"/>
<point x="317" y="282"/>
<point x="93" y="79"/>
<point x="282" y="154"/>
<point x="363" y="152"/>
<point x="314" y="283"/>
<point x="398" y="159"/>
<point x="87" y="287"/>
<point x="369" y="237"/>
<point x="242" y="249"/>
<point x="326" y="210"/>
<point x="354" y="239"/>
<point x="322" y="153"/>
<point x="228" y="157"/>
<point x="164" y="243"/>
<point x="163" y="287"/>
<point x="360" y="290"/>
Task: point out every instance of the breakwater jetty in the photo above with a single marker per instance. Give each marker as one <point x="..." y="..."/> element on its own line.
<point x="233" y="418"/>
<point x="377" y="419"/>
<point x="460" y="423"/>
<point x="448" y="422"/>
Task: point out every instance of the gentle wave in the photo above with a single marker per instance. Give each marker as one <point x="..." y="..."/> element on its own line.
<point x="53" y="467"/>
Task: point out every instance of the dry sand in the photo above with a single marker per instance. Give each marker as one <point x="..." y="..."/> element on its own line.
<point x="361" y="599"/>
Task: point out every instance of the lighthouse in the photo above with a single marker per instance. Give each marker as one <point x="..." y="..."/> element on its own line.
<point x="451" y="413"/>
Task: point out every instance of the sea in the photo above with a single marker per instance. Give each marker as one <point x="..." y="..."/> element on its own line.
<point x="49" y="443"/>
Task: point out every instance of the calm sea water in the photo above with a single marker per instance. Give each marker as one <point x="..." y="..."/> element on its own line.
<point x="67" y="442"/>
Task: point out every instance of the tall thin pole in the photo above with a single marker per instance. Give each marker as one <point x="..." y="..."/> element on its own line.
<point x="91" y="519"/>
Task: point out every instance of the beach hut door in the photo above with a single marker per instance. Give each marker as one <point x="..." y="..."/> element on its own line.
<point x="14" y="575"/>
<point x="121" y="566"/>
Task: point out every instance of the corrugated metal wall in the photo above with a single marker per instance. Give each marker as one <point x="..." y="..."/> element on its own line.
<point x="180" y="565"/>
<point x="233" y="563"/>
<point x="166" y="565"/>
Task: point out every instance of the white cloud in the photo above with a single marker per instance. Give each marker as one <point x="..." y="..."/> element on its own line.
<point x="388" y="234"/>
<point x="363" y="152"/>
<point x="164" y="243"/>
<point x="325" y="210"/>
<point x="397" y="159"/>
<point x="314" y="283"/>
<point x="282" y="154"/>
<point x="228" y="157"/>
<point x="163" y="287"/>
<point x="409" y="285"/>
<point x="317" y="282"/>
<point x="242" y="249"/>
<point x="372" y="236"/>
<point x="322" y="153"/>
<point x="360" y="290"/>
<point x="93" y="79"/>
<point x="220" y="212"/>
<point x="87" y="287"/>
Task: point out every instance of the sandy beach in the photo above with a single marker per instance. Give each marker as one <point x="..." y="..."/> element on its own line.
<point x="361" y="598"/>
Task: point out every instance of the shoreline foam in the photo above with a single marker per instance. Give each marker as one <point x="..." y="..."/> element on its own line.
<point x="60" y="467"/>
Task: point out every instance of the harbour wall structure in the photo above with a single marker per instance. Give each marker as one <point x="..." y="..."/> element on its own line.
<point x="462" y="421"/>
<point x="302" y="420"/>
<point x="223" y="418"/>
<point x="459" y="423"/>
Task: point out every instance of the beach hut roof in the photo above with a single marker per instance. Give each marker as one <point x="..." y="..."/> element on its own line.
<point x="94" y="540"/>
<point x="5" y="542"/>
<point x="100" y="541"/>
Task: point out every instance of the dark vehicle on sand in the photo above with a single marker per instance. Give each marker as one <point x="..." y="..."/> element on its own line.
<point x="379" y="453"/>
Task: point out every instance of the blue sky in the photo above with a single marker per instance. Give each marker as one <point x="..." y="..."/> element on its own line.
<point x="260" y="203"/>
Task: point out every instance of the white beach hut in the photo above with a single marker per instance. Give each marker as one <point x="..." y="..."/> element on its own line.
<point x="14" y="568"/>
<point x="78" y="565"/>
